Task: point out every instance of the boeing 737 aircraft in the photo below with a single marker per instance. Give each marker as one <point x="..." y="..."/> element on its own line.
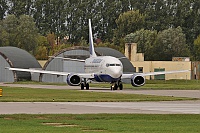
<point x="100" y="69"/>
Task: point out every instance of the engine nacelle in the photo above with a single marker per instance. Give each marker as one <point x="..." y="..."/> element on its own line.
<point x="73" y="80"/>
<point x="137" y="80"/>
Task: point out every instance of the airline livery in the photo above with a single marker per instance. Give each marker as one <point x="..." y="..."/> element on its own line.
<point x="100" y="69"/>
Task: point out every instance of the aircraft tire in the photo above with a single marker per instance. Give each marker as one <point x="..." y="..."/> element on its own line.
<point x="82" y="86"/>
<point x="115" y="87"/>
<point x="111" y="88"/>
<point x="87" y="86"/>
<point x="121" y="86"/>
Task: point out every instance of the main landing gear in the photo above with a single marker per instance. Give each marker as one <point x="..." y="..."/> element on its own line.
<point x="116" y="85"/>
<point x="84" y="84"/>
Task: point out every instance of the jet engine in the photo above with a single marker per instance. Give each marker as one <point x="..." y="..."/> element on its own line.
<point x="73" y="80"/>
<point x="137" y="80"/>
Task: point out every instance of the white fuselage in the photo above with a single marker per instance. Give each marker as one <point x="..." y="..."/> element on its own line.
<point x="104" y="66"/>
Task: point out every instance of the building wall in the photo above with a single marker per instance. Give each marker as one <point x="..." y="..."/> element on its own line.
<point x="195" y="70"/>
<point x="150" y="66"/>
<point x="54" y="65"/>
<point x="42" y="62"/>
<point x="64" y="66"/>
<point x="5" y="75"/>
<point x="131" y="52"/>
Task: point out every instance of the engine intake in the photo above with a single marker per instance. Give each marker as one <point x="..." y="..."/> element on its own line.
<point x="73" y="80"/>
<point x="137" y="80"/>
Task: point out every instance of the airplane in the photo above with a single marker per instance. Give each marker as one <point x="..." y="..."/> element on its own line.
<point x="99" y="69"/>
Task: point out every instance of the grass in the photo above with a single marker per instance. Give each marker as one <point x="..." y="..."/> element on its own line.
<point x="13" y="94"/>
<point x="100" y="123"/>
<point x="150" y="84"/>
<point x="38" y="83"/>
<point x="162" y="85"/>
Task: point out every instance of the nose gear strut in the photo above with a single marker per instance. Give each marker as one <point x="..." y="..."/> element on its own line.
<point x="116" y="85"/>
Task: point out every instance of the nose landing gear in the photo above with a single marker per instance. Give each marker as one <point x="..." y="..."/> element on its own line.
<point x="116" y="85"/>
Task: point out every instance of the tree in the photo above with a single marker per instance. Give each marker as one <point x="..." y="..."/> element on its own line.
<point x="159" y="14"/>
<point x="20" y="7"/>
<point x="127" y="23"/>
<point x="191" y="26"/>
<point x="108" y="12"/>
<point x="27" y="33"/>
<point x="170" y="43"/>
<point x="20" y="32"/>
<point x="3" y="8"/>
<point x="9" y="31"/>
<point x="50" y="16"/>
<point x="41" y="53"/>
<point x="145" y="40"/>
<point x="112" y="20"/>
<point x="4" y="41"/>
<point x="197" y="49"/>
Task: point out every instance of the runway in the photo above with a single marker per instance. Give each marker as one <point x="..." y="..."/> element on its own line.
<point x="176" y="107"/>
<point x="167" y="107"/>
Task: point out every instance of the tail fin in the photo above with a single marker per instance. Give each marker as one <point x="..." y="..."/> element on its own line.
<point x="91" y="49"/>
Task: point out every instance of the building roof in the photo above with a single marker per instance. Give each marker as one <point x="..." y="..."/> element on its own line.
<point x="19" y="58"/>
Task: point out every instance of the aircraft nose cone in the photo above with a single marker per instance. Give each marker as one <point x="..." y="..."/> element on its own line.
<point x="116" y="72"/>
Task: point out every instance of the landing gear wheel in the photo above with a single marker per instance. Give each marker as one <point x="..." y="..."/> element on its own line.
<point x="87" y="86"/>
<point x="115" y="87"/>
<point x="111" y="87"/>
<point x="121" y="86"/>
<point x="82" y="86"/>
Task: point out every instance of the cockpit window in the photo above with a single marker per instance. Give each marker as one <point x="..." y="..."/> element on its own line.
<point x="107" y="65"/>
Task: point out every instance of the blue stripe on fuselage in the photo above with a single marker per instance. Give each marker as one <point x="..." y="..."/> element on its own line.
<point x="105" y="78"/>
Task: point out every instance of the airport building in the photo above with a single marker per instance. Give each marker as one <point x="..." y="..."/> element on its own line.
<point x="18" y="58"/>
<point x="177" y="63"/>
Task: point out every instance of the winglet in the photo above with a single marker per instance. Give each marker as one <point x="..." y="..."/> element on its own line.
<point x="91" y="49"/>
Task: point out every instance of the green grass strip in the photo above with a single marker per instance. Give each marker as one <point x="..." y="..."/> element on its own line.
<point x="13" y="94"/>
<point x="100" y="123"/>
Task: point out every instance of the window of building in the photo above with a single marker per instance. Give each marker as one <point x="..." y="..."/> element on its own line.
<point x="140" y="69"/>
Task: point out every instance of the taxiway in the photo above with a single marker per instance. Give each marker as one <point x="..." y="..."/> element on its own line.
<point x="175" y="107"/>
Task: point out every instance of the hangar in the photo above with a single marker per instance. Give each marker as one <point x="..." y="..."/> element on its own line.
<point x="18" y="58"/>
<point x="74" y="66"/>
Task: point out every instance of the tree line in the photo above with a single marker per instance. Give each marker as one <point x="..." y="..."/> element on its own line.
<point x="174" y="24"/>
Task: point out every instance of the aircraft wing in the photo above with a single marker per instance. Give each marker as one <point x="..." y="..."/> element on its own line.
<point x="82" y="75"/>
<point x="153" y="73"/>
